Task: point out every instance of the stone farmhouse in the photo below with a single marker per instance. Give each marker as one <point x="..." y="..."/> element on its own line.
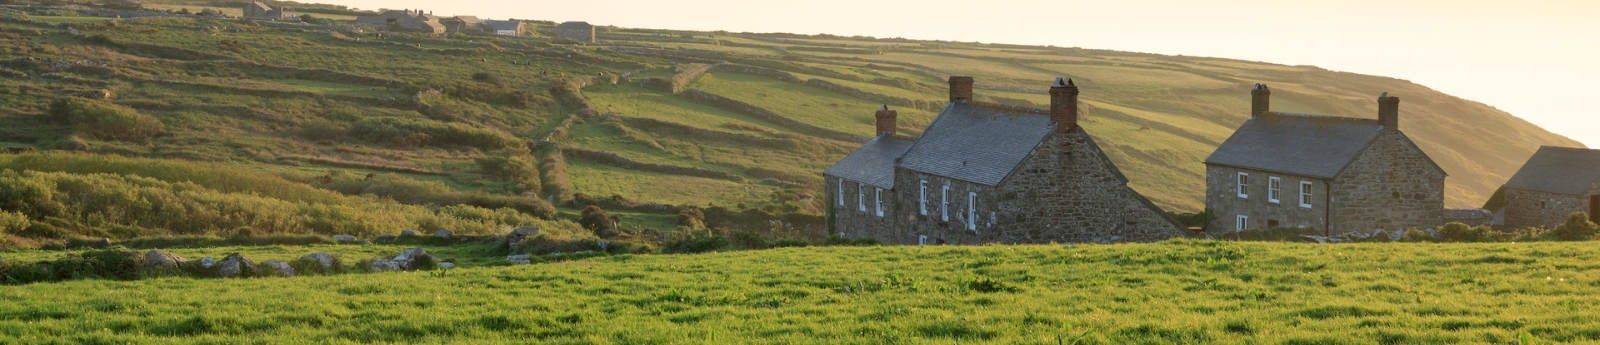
<point x="505" y="27"/>
<point x="1335" y="174"/>
<point x="410" y="19"/>
<point x="987" y="173"/>
<point x="461" y="24"/>
<point x="582" y="32"/>
<point x="260" y="10"/>
<point x="1553" y="184"/>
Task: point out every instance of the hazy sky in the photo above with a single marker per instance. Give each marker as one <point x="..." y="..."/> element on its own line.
<point x="1537" y="59"/>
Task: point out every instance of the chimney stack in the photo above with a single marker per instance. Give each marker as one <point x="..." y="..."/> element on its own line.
<point x="1260" y="100"/>
<point x="886" y="120"/>
<point x="1064" y="105"/>
<point x="960" y="88"/>
<point x="1389" y="112"/>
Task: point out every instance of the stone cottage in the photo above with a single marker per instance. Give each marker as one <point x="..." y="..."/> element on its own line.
<point x="985" y="173"/>
<point x="1335" y="174"/>
<point x="505" y="27"/>
<point x="461" y="24"/>
<point x="410" y="19"/>
<point x="1553" y="184"/>
<point x="260" y="10"/>
<point x="576" y="31"/>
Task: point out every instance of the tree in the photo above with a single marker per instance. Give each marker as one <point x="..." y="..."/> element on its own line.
<point x="1576" y="228"/>
<point x="598" y="221"/>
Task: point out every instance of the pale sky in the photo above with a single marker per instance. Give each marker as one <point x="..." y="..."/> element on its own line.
<point x="1536" y="59"/>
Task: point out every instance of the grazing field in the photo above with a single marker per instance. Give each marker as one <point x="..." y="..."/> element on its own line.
<point x="1163" y="293"/>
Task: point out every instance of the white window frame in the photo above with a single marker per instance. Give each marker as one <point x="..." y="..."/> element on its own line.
<point x="841" y="192"/>
<point x="1305" y="194"/>
<point x="922" y="197"/>
<point x="1244" y="185"/>
<point x="877" y="199"/>
<point x="922" y="240"/>
<point x="861" y="196"/>
<point x="972" y="210"/>
<point x="1273" y="185"/>
<point x="944" y="207"/>
<point x="1241" y="222"/>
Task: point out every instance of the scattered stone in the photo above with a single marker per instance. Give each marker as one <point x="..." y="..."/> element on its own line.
<point x="279" y="268"/>
<point x="1317" y="239"/>
<point x="446" y="265"/>
<point x="344" y="238"/>
<point x="519" y="259"/>
<point x="321" y="258"/>
<point x="411" y="254"/>
<point x="235" y="265"/>
<point x="207" y="262"/>
<point x="156" y="258"/>
<point x="519" y="234"/>
<point x="1339" y="239"/>
<point x="384" y="238"/>
<point x="103" y="242"/>
<point x="604" y="245"/>
<point x="444" y="234"/>
<point x="380" y="265"/>
<point x="1396" y="236"/>
<point x="408" y="233"/>
<point x="1376" y="233"/>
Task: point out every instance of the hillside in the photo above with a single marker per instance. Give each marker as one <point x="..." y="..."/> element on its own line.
<point x="649" y="116"/>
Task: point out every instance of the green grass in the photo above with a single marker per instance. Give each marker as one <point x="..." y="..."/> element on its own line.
<point x="799" y="102"/>
<point x="70" y="19"/>
<point x="340" y="89"/>
<point x="1172" y="292"/>
<point x="596" y="179"/>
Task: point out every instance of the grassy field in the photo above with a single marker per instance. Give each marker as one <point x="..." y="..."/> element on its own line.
<point x="1171" y="292"/>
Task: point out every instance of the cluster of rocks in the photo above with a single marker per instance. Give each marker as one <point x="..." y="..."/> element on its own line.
<point x="238" y="265"/>
<point x="387" y="238"/>
<point x="411" y="259"/>
<point x="1357" y="236"/>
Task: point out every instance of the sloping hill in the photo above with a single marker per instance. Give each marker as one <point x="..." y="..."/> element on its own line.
<point x="734" y="120"/>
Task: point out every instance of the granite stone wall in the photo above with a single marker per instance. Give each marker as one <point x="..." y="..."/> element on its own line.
<point x="936" y="225"/>
<point x="849" y="220"/>
<point x="1222" y="197"/>
<point x="1065" y="191"/>
<point x="1390" y="186"/>
<point x="1526" y="208"/>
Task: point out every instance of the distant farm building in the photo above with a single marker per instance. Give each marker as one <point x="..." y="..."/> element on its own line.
<point x="582" y="32"/>
<point x="1553" y="184"/>
<point x="990" y="173"/>
<point x="408" y="19"/>
<point x="505" y="27"/>
<point x="1335" y="174"/>
<point x="462" y="24"/>
<point x="260" y="10"/>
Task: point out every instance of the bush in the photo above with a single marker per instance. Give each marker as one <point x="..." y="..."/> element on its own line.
<point x="104" y="120"/>
<point x="41" y="231"/>
<point x="597" y="221"/>
<point x="789" y="242"/>
<point x="750" y="240"/>
<point x="1460" y="232"/>
<point x="695" y="244"/>
<point x="1414" y="235"/>
<point x="11" y="222"/>
<point x="1271" y="234"/>
<point x="1576" y="228"/>
<point x="691" y="216"/>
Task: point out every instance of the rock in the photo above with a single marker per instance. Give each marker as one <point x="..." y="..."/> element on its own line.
<point x="344" y="238"/>
<point x="519" y="234"/>
<point x="380" y="265"/>
<point x="408" y="233"/>
<point x="103" y="242"/>
<point x="443" y="234"/>
<point x="156" y="258"/>
<point x="321" y="258"/>
<point x="384" y="238"/>
<point x="411" y="254"/>
<point x="234" y="266"/>
<point x="279" y="268"/>
<point x="366" y="242"/>
<point x="446" y="265"/>
<point x="1339" y="239"/>
<point x="519" y="259"/>
<point x="1396" y="236"/>
<point x="605" y="246"/>
<point x="1376" y="233"/>
<point x="207" y="262"/>
<point x="1317" y="239"/>
<point x="583" y="252"/>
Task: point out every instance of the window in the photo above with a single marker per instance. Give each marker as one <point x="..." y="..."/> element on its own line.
<point x="861" y="196"/>
<point x="922" y="240"/>
<point x="944" y="206"/>
<point x="972" y="211"/>
<point x="841" y="192"/>
<point x="1305" y="194"/>
<point x="1273" y="184"/>
<point x="1272" y="223"/>
<point x="922" y="198"/>
<point x="1241" y="223"/>
<point x="1244" y="185"/>
<point x="877" y="200"/>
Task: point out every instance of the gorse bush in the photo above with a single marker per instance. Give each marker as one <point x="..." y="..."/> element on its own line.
<point x="12" y="222"/>
<point x="417" y="192"/>
<point x="104" y="120"/>
<point x="1576" y="228"/>
<point x="598" y="221"/>
<point x="396" y="131"/>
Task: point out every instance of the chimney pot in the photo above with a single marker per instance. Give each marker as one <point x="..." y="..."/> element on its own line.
<point x="960" y="88"/>
<point x="886" y="120"/>
<point x="1260" y="100"/>
<point x="1064" y="105"/>
<point x="1389" y="112"/>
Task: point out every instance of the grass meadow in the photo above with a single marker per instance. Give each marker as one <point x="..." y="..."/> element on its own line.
<point x="1163" y="293"/>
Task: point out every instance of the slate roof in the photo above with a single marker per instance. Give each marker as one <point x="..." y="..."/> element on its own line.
<point x="469" y="19"/>
<point x="873" y="163"/>
<point x="978" y="142"/>
<point x="260" y="6"/>
<point x="1562" y="170"/>
<point x="503" y="24"/>
<point x="575" y="25"/>
<point x="1307" y="145"/>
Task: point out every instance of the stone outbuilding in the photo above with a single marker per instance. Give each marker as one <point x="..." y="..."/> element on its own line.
<point x="1335" y="174"/>
<point x="1553" y="184"/>
<point x="461" y="24"/>
<point x="419" y="20"/>
<point x="260" y="10"/>
<point x="582" y="32"/>
<point x="990" y="173"/>
<point x="505" y="27"/>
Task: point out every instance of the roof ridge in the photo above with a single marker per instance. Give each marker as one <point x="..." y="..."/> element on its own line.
<point x="1320" y="116"/>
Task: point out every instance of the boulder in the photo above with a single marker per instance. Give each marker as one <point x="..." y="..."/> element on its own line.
<point x="1317" y="239"/>
<point x="235" y="265"/>
<point x="411" y="254"/>
<point x="408" y="233"/>
<point x="380" y="265"/>
<point x="344" y="238"/>
<point x="1396" y="236"/>
<point x="278" y="268"/>
<point x="156" y="258"/>
<point x="384" y="239"/>
<point x="444" y="234"/>
<point x="446" y="265"/>
<point x="519" y="234"/>
<point x="207" y="262"/>
<point x="604" y="246"/>
<point x="519" y="259"/>
<point x="321" y="258"/>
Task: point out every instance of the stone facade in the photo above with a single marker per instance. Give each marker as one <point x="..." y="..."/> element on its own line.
<point x="1067" y="191"/>
<point x="1390" y="186"/>
<point x="582" y="32"/>
<point x="260" y="10"/>
<point x="1528" y="208"/>
<point x="1222" y="195"/>
<point x="856" y="215"/>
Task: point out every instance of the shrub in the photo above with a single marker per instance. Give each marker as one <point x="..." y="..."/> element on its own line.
<point x="836" y="240"/>
<point x="789" y="242"/>
<point x="396" y="130"/>
<point x="691" y="216"/>
<point x="1460" y="232"/>
<point x="104" y="120"/>
<point x="11" y="222"/>
<point x="597" y="221"/>
<point x="40" y="231"/>
<point x="1576" y="228"/>
<point x="512" y="168"/>
<point x="1414" y="235"/>
<point x="750" y="240"/>
<point x="695" y="244"/>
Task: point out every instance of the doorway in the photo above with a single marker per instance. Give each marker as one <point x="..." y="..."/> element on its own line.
<point x="1594" y="208"/>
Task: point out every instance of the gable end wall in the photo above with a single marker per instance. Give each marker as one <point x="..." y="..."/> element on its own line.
<point x="1392" y="185"/>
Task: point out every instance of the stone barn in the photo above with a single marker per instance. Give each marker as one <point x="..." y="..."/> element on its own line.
<point x="461" y="24"/>
<point x="505" y="27"/>
<point x="582" y="32"/>
<point x="260" y="10"/>
<point x="990" y="173"/>
<point x="1335" y="174"/>
<point x="1553" y="184"/>
<point x="419" y="20"/>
